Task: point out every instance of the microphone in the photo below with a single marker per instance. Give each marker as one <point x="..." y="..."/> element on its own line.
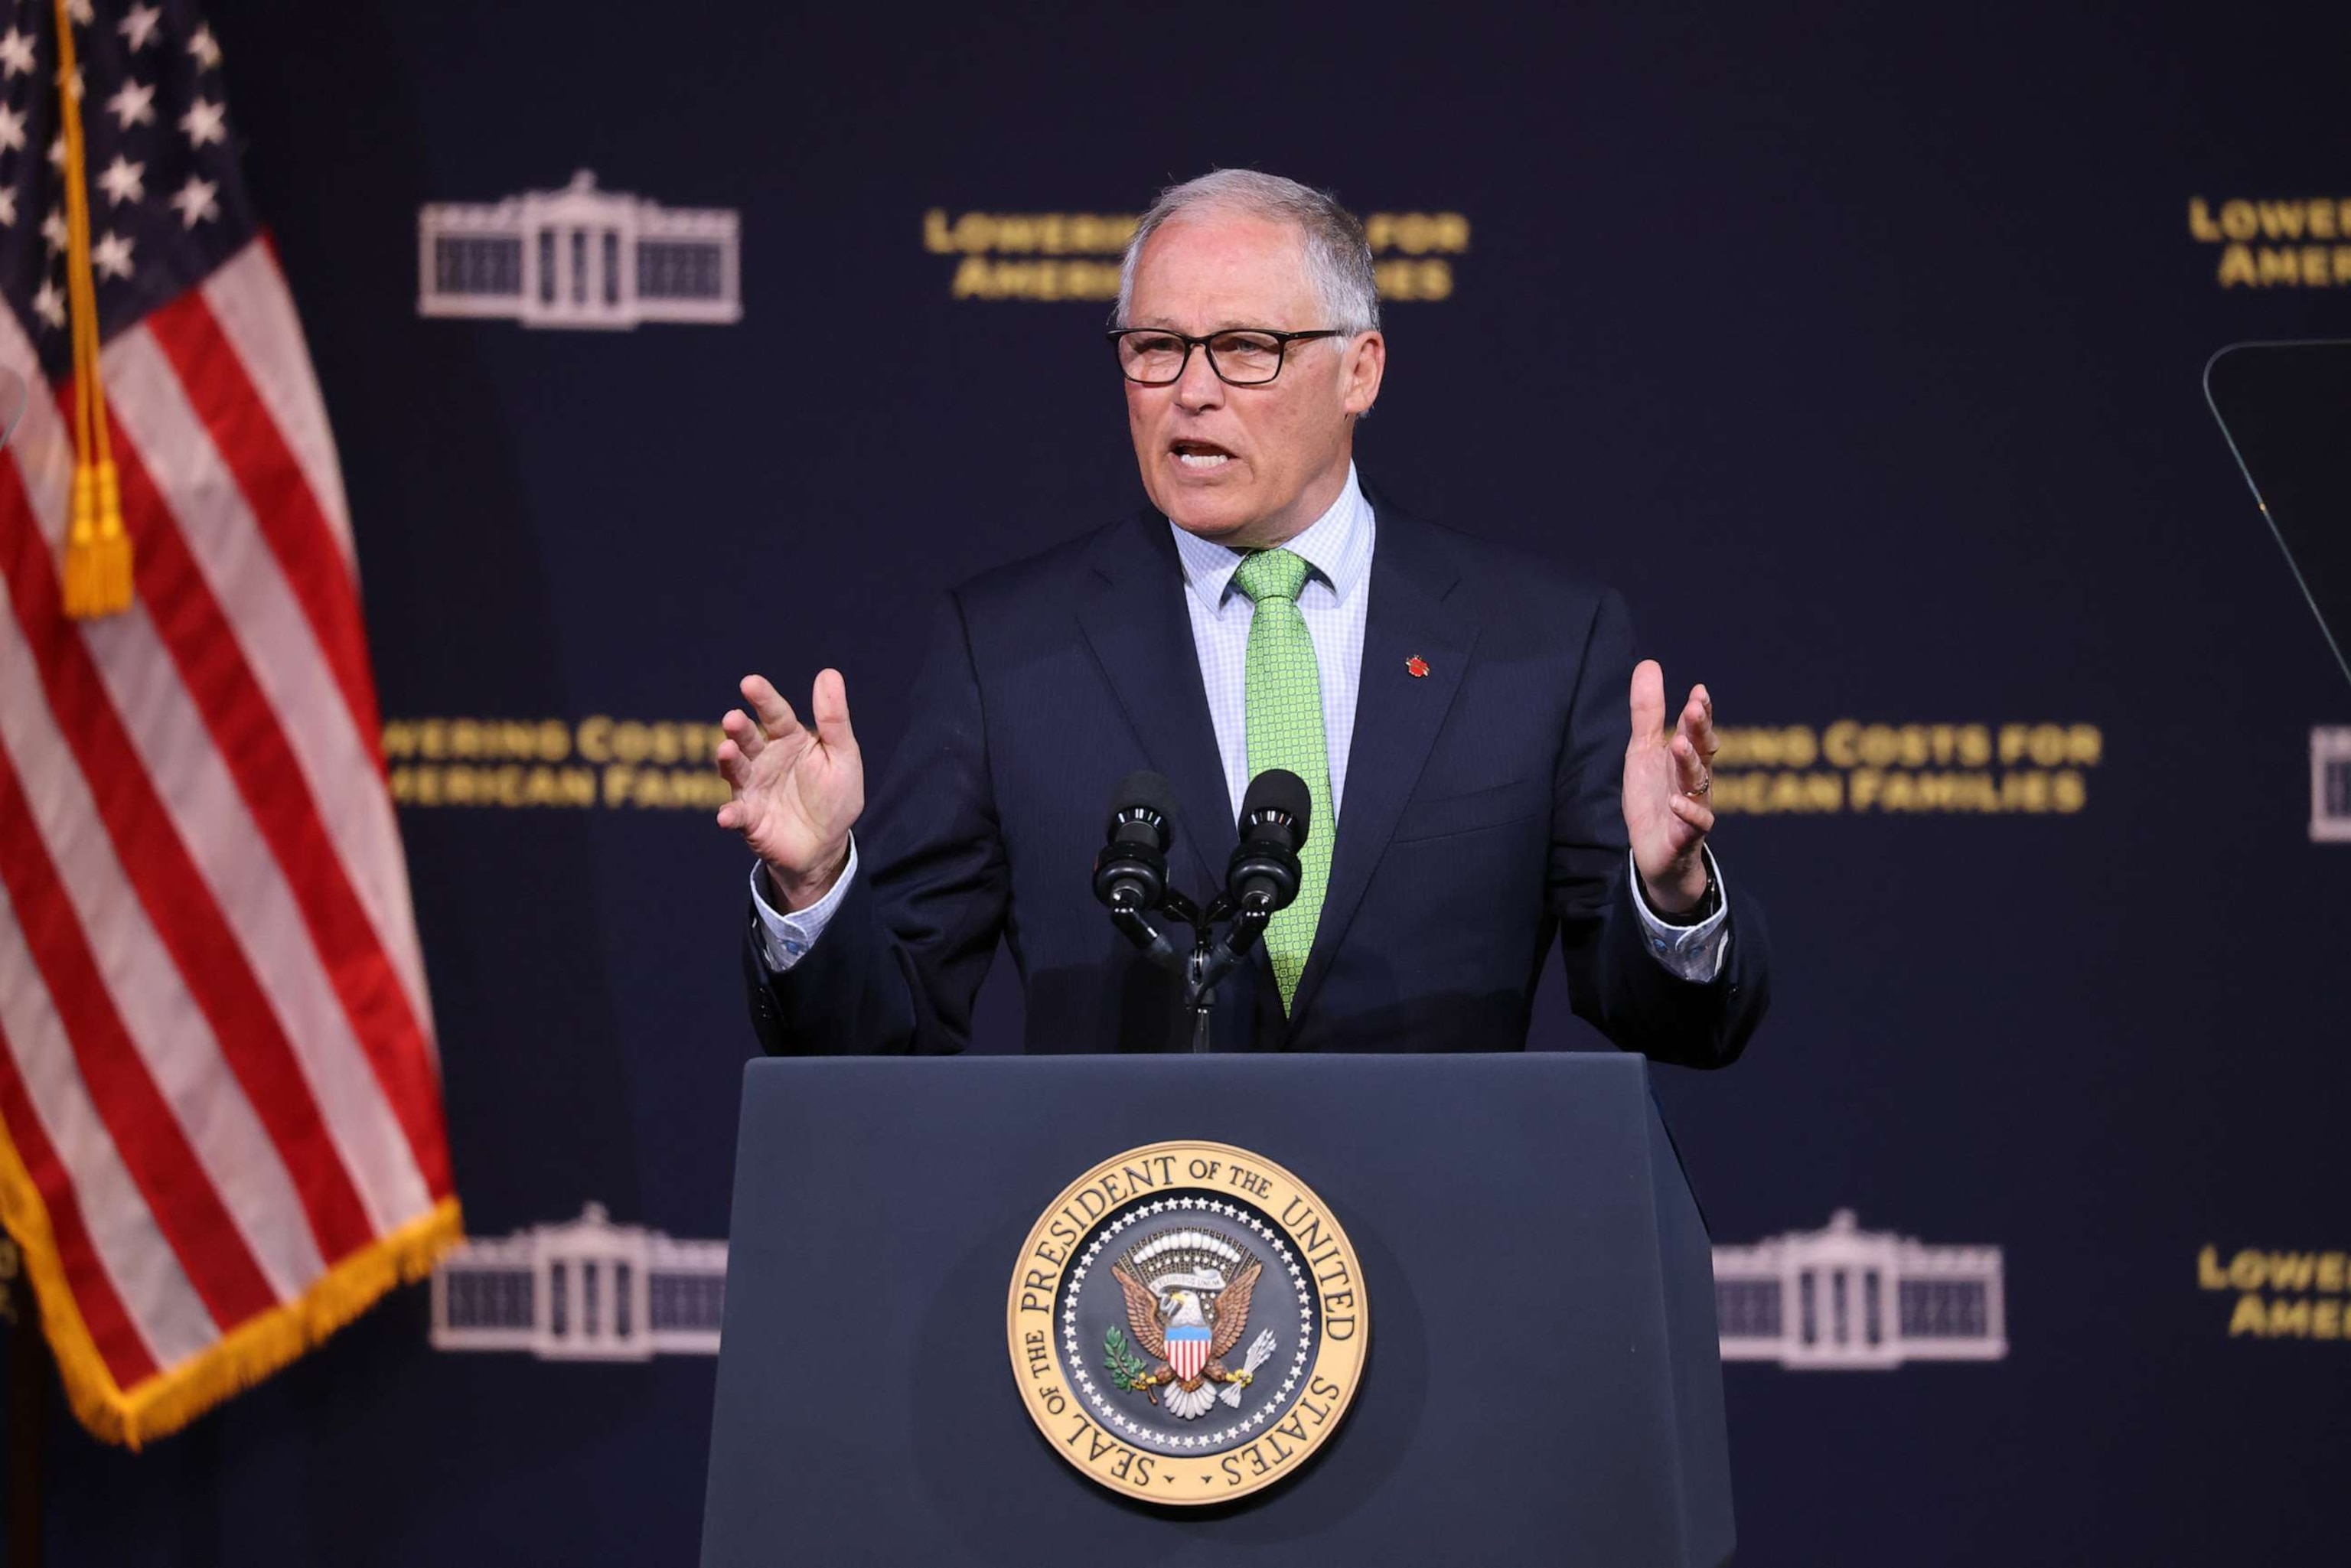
<point x="1131" y="870"/>
<point x="1276" y="813"/>
<point x="1131" y="877"/>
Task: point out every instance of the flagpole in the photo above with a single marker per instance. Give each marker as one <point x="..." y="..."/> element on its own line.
<point x="29" y="1372"/>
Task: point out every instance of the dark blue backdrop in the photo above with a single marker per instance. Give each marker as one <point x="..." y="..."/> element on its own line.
<point x="1858" y="344"/>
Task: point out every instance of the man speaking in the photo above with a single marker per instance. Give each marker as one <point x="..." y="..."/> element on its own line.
<point x="1458" y="711"/>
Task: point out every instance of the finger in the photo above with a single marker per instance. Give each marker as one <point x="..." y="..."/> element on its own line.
<point x="1699" y="720"/>
<point x="828" y="703"/>
<point x="1648" y="702"/>
<point x="1689" y="767"/>
<point x="1698" y="723"/>
<point x="733" y="765"/>
<point x="1696" y="815"/>
<point x="743" y="732"/>
<point x="774" y="713"/>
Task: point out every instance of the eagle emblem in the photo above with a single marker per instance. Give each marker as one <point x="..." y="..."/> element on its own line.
<point x="1187" y="1300"/>
<point x="1144" y="1315"/>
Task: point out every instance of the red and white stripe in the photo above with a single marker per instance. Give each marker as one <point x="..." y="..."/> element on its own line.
<point x="216" y="1056"/>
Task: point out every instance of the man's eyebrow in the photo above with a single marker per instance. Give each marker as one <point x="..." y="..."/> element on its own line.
<point x="1229" y="324"/>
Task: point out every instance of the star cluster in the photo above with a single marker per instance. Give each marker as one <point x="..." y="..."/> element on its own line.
<point x="166" y="205"/>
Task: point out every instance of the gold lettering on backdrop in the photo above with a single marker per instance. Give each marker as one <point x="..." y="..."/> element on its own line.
<point x="1046" y="257"/>
<point x="2280" y="1293"/>
<point x="507" y="784"/>
<point x="1856" y="766"/>
<point x="976" y="278"/>
<point x="1053" y="233"/>
<point x="1417" y="234"/>
<point x="599" y="762"/>
<point x="470" y="739"/>
<point x="2275" y="243"/>
<point x="1406" y="279"/>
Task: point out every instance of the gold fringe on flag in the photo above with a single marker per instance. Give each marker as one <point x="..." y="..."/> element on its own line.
<point x="244" y="1356"/>
<point x="97" y="569"/>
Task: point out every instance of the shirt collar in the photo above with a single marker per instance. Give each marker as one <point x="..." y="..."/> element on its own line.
<point x="1337" y="547"/>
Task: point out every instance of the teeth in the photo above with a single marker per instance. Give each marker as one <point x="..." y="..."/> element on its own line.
<point x="1201" y="459"/>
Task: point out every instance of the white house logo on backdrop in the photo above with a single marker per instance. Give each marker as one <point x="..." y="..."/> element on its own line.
<point x="1849" y="1299"/>
<point x="579" y="257"/>
<point x="585" y="1290"/>
<point x="2330" y="785"/>
<point x="1842" y="1299"/>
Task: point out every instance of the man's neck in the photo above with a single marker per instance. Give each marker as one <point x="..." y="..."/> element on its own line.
<point x="1271" y="533"/>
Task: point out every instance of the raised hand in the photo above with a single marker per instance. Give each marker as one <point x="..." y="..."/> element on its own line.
<point x="798" y="790"/>
<point x="1666" y="777"/>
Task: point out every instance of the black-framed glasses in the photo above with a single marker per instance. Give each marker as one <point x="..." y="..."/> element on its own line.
<point x="1243" y="357"/>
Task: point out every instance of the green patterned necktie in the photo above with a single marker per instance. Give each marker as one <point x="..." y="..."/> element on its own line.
<point x="1285" y="730"/>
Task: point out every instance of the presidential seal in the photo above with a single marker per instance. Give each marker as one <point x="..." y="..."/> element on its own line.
<point x="1187" y="1322"/>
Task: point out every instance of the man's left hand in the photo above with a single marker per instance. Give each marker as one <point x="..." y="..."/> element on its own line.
<point x="1668" y="776"/>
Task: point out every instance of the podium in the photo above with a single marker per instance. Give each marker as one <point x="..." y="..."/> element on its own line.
<point x="1541" y="1379"/>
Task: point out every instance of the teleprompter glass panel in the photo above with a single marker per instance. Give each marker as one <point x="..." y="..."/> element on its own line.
<point x="2286" y="411"/>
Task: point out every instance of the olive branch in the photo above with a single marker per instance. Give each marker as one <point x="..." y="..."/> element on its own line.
<point x="1126" y="1368"/>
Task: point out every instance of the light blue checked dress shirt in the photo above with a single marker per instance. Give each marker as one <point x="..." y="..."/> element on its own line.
<point x="1337" y="548"/>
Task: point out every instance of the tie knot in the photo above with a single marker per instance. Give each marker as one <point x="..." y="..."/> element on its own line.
<point x="1270" y="574"/>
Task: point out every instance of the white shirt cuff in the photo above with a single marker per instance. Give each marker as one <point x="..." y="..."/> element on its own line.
<point x="785" y="939"/>
<point x="1693" y="952"/>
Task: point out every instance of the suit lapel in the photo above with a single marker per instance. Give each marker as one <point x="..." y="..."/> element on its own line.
<point x="1397" y="715"/>
<point x="1134" y="619"/>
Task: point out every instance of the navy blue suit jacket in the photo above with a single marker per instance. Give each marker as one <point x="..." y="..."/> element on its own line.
<point x="1482" y="820"/>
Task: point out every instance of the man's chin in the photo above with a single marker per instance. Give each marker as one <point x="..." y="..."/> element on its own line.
<point x="1215" y="527"/>
<point x="1214" y="518"/>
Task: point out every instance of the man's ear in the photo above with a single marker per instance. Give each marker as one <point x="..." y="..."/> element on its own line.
<point x="1367" y="360"/>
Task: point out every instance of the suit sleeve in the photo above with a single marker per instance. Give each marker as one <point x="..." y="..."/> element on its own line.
<point x="900" y="964"/>
<point x="1613" y="983"/>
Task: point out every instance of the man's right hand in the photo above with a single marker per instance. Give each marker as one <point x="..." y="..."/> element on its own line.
<point x="798" y="790"/>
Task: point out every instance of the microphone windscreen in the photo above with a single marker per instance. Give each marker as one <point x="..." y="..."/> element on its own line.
<point x="1146" y="789"/>
<point x="1280" y="789"/>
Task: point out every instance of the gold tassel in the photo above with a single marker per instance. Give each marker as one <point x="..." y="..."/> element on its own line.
<point x="96" y="567"/>
<point x="81" y="546"/>
<point x="113" y="575"/>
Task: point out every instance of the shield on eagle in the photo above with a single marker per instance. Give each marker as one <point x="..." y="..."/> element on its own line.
<point x="1187" y="1350"/>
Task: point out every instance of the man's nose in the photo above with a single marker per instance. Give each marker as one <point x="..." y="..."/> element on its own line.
<point x="1198" y="387"/>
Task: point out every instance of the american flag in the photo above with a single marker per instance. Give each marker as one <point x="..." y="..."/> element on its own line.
<point x="218" y="1085"/>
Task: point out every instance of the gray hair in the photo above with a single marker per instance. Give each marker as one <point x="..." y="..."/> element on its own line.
<point x="1338" y="258"/>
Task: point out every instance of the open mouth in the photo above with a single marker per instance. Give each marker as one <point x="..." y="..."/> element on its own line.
<point x="1200" y="456"/>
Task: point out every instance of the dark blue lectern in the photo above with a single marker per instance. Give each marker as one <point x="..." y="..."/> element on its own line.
<point x="1543" y="1383"/>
